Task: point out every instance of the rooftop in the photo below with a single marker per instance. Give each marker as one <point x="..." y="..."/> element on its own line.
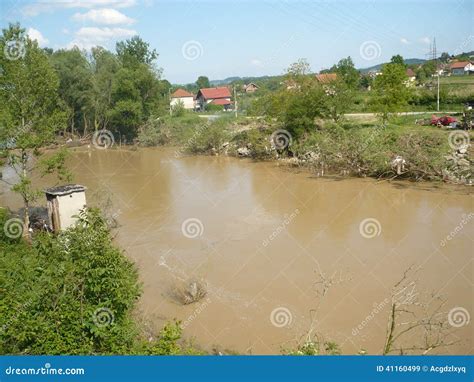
<point x="326" y="77"/>
<point x="65" y="190"/>
<point x="459" y="65"/>
<point x="212" y="93"/>
<point x="181" y="93"/>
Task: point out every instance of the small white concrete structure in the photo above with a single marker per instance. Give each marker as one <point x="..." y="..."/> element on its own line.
<point x="63" y="203"/>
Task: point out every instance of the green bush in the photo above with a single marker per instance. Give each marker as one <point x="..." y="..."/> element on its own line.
<point x="209" y="139"/>
<point x="73" y="293"/>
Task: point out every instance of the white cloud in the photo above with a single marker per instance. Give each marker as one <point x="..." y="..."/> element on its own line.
<point x="256" y="62"/>
<point x="403" y="40"/>
<point x="105" y="16"/>
<point x="425" y="40"/>
<point x="40" y="6"/>
<point x="35" y="34"/>
<point x="88" y="37"/>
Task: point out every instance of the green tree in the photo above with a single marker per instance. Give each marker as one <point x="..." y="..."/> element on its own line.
<point x="75" y="86"/>
<point x="135" y="51"/>
<point x="339" y="98"/>
<point x="136" y="89"/>
<point x="444" y="57"/>
<point x="105" y="66"/>
<point x="391" y="92"/>
<point x="349" y="74"/>
<point x="398" y="59"/>
<point x="203" y="82"/>
<point x="29" y="111"/>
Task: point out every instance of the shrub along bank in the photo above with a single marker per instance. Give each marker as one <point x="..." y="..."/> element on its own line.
<point x="73" y="293"/>
<point x="397" y="149"/>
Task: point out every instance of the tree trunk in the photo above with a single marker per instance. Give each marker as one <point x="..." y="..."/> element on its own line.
<point x="84" y="133"/>
<point x="26" y="202"/>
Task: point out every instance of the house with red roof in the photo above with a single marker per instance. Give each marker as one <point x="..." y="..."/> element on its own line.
<point x="214" y="96"/>
<point x="183" y="97"/>
<point x="411" y="75"/>
<point x="461" y="67"/>
<point x="326" y="78"/>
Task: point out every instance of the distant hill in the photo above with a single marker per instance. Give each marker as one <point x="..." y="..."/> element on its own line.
<point x="408" y="61"/>
<point x="229" y="80"/>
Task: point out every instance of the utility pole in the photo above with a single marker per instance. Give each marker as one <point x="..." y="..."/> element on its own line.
<point x="435" y="57"/>
<point x="169" y="101"/>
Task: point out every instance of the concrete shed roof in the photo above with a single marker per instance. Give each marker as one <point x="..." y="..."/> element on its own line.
<point x="65" y="190"/>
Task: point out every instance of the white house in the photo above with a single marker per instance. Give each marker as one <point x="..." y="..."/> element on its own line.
<point x="183" y="97"/>
<point x="462" y="67"/>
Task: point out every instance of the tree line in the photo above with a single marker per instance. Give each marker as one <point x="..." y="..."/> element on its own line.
<point x="83" y="91"/>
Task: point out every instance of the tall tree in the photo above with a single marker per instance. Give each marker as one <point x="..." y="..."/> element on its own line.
<point x="398" y="59"/>
<point x="105" y="65"/>
<point x="349" y="74"/>
<point x="29" y="111"/>
<point x="135" y="51"/>
<point x="203" y="82"/>
<point x="75" y="86"/>
<point x="391" y="92"/>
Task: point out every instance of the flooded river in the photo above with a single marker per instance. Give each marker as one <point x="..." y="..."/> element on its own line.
<point x="262" y="238"/>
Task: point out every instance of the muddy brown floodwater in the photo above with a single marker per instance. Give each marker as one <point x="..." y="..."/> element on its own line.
<point x="260" y="237"/>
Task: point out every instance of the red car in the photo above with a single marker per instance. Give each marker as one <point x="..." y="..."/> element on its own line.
<point x="444" y="121"/>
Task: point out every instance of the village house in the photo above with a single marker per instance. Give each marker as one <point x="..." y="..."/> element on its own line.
<point x="326" y="78"/>
<point x="461" y="68"/>
<point x="250" y="88"/>
<point x="184" y="97"/>
<point x="215" y="96"/>
<point x="411" y="75"/>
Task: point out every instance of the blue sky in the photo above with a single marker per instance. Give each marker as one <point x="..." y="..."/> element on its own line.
<point x="223" y="38"/>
